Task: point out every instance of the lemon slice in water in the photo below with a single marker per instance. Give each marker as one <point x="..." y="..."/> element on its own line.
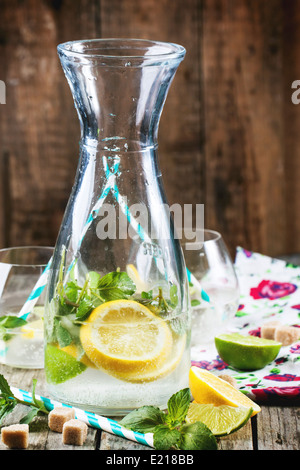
<point x="33" y="329"/>
<point x="125" y="338"/>
<point x="136" y="278"/>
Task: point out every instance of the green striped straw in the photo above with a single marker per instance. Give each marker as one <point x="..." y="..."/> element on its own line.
<point x="42" y="281"/>
<point x="35" y="293"/>
<point x="143" y="235"/>
<point x="91" y="419"/>
<point x="110" y="185"/>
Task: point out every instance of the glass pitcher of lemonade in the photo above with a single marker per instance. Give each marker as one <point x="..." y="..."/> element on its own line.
<point x="117" y="323"/>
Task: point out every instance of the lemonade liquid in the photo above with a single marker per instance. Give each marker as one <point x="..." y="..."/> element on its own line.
<point x="23" y="347"/>
<point x="74" y="379"/>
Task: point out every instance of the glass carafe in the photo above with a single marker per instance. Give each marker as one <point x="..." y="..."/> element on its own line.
<point x="117" y="326"/>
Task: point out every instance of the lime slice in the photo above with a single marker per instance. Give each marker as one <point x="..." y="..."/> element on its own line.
<point x="221" y="420"/>
<point x="207" y="388"/>
<point x="60" y="366"/>
<point x="246" y="352"/>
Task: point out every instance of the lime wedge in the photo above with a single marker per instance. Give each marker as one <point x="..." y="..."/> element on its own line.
<point x="60" y="366"/>
<point x="222" y="419"/>
<point x="246" y="352"/>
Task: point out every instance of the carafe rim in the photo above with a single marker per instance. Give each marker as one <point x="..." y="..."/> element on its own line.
<point x="129" y="50"/>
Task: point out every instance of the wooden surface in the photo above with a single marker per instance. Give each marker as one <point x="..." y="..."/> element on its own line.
<point x="228" y="134"/>
<point x="274" y="428"/>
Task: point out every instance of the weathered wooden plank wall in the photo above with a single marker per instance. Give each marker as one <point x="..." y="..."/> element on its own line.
<point x="228" y="134"/>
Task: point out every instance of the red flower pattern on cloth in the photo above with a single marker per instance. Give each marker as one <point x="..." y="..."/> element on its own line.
<point x="272" y="290"/>
<point x="262" y="300"/>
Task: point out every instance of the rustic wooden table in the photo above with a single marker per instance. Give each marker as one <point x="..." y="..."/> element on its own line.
<point x="274" y="428"/>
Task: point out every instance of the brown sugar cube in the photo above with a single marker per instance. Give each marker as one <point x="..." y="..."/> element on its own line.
<point x="229" y="379"/>
<point x="74" y="432"/>
<point x="267" y="330"/>
<point x="15" y="436"/>
<point x="287" y="334"/>
<point x="59" y="416"/>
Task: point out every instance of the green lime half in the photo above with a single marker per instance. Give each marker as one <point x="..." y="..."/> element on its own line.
<point x="246" y="352"/>
<point x="222" y="419"/>
<point x="60" y="366"/>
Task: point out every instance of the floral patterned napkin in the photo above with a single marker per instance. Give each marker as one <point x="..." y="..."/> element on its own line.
<point x="270" y="290"/>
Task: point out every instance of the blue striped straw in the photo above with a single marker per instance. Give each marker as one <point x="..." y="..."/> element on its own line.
<point x="91" y="419"/>
<point x="110" y="185"/>
<point x="35" y="293"/>
<point x="197" y="285"/>
<point x="42" y="281"/>
<point x="143" y="235"/>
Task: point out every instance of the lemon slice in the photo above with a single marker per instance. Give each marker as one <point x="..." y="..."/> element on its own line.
<point x="125" y="338"/>
<point x="221" y="420"/>
<point x="160" y="370"/>
<point x="33" y="329"/>
<point x="136" y="278"/>
<point x="208" y="388"/>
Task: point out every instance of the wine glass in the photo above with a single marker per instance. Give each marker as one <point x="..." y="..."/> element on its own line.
<point x="214" y="291"/>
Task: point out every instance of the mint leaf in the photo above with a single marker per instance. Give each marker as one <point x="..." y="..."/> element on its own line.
<point x="62" y="334"/>
<point x="4" y="387"/>
<point x="71" y="291"/>
<point x="197" y="436"/>
<point x="195" y="302"/>
<point x="29" y="417"/>
<point x="144" y="419"/>
<point x="6" y="408"/>
<point x="115" y="286"/>
<point x="173" y="296"/>
<point x="4" y="336"/>
<point x="94" y="279"/>
<point x="165" y="438"/>
<point x="11" y="321"/>
<point x="147" y="295"/>
<point x="8" y="402"/>
<point x="85" y="306"/>
<point x="178" y="406"/>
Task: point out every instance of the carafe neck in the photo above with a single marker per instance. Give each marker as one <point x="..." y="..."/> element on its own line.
<point x="119" y="88"/>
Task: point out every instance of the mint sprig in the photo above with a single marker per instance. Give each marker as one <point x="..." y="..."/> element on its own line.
<point x="8" y="402"/>
<point x="72" y="303"/>
<point x="170" y="430"/>
<point x="7" y="323"/>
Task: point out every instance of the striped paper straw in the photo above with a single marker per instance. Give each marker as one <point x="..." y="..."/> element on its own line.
<point x="42" y="281"/>
<point x="197" y="285"/>
<point x="35" y="293"/>
<point x="139" y="230"/>
<point x="110" y="185"/>
<point x="91" y="419"/>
